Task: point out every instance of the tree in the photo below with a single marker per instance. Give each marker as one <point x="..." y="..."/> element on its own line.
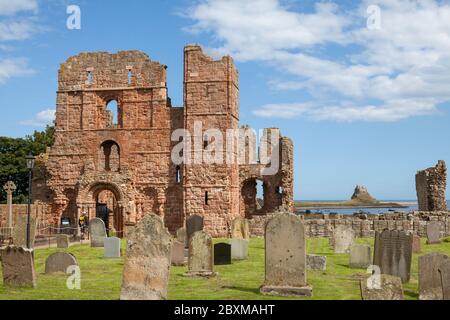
<point x="13" y="164"/>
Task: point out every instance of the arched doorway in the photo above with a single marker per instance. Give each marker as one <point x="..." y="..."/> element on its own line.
<point x="108" y="207"/>
<point x="253" y="197"/>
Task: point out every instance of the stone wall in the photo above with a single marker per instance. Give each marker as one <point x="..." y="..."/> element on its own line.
<point x="431" y="184"/>
<point x="322" y="225"/>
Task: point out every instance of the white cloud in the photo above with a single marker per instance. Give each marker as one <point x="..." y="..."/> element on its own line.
<point x="11" y="7"/>
<point x="403" y="66"/>
<point x="14" y="67"/>
<point x="17" y="30"/>
<point x="43" y="118"/>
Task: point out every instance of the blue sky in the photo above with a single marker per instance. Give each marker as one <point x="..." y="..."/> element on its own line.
<point x="365" y="101"/>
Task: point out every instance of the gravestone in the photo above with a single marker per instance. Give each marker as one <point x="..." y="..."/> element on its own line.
<point x="20" y="231"/>
<point x="316" y="262"/>
<point x="201" y="255"/>
<point x="178" y="258"/>
<point x="112" y="247"/>
<point x="147" y="261"/>
<point x="444" y="270"/>
<point x="381" y="287"/>
<point x="18" y="267"/>
<point x="240" y="229"/>
<point x="58" y="262"/>
<point x="194" y="223"/>
<point x="222" y="254"/>
<point x="433" y="232"/>
<point x="239" y="249"/>
<point x="393" y="252"/>
<point x="342" y="239"/>
<point x="182" y="237"/>
<point x="360" y="256"/>
<point x="97" y="232"/>
<point x="430" y="282"/>
<point x="62" y="241"/>
<point x="416" y="245"/>
<point x="285" y="259"/>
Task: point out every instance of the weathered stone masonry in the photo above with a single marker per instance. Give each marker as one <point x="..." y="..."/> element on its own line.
<point x="430" y="186"/>
<point x="131" y="159"/>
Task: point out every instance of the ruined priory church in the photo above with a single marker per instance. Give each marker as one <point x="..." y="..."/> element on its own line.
<point x="122" y="158"/>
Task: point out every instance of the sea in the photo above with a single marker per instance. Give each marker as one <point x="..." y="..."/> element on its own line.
<point x="408" y="208"/>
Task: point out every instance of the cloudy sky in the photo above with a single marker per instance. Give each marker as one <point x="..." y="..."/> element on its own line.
<point x="362" y="88"/>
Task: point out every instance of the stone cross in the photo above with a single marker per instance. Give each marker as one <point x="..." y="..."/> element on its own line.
<point x="9" y="188"/>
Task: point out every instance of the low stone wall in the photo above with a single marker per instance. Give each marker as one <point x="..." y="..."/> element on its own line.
<point x="322" y="225"/>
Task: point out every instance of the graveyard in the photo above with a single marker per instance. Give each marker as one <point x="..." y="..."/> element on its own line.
<point x="102" y="278"/>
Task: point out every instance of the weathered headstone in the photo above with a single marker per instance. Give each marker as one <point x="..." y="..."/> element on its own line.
<point x="97" y="232"/>
<point x="182" y="237"/>
<point x="316" y="262"/>
<point x="178" y="258"/>
<point x="147" y="262"/>
<point x="239" y="249"/>
<point x="222" y="253"/>
<point x="58" y="262"/>
<point x="201" y="255"/>
<point x="416" y="248"/>
<point x="62" y="241"/>
<point x="382" y="287"/>
<point x="393" y="252"/>
<point x="285" y="258"/>
<point x="20" y="231"/>
<point x="360" y="256"/>
<point x="444" y="270"/>
<point x="9" y="188"/>
<point x="194" y="223"/>
<point x="342" y="239"/>
<point x="433" y="232"/>
<point x="240" y="229"/>
<point x="18" y="267"/>
<point x="430" y="282"/>
<point x="112" y="247"/>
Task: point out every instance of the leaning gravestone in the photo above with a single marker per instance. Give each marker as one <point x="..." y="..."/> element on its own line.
<point x="18" y="267"/>
<point x="239" y="249"/>
<point x="416" y="245"/>
<point x="444" y="270"/>
<point x="97" y="232"/>
<point x="360" y="256"/>
<point x="285" y="259"/>
<point x="433" y="232"/>
<point x="147" y="262"/>
<point x="112" y="247"/>
<point x="194" y="223"/>
<point x="201" y="255"/>
<point x="316" y="262"/>
<point x="393" y="252"/>
<point x="178" y="258"/>
<point x="222" y="254"/>
<point x="20" y="231"/>
<point x="382" y="287"/>
<point x="58" y="262"/>
<point x="181" y="236"/>
<point x="62" y="241"/>
<point x="342" y="239"/>
<point x="240" y="229"/>
<point x="430" y="281"/>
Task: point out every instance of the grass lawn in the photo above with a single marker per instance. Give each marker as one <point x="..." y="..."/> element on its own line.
<point x="101" y="278"/>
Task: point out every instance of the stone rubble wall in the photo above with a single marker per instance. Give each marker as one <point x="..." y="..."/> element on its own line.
<point x="322" y="225"/>
<point x="430" y="186"/>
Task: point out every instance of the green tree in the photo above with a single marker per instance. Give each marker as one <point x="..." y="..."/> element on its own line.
<point x="12" y="160"/>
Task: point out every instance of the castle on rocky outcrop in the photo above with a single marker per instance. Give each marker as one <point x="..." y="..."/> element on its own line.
<point x="123" y="157"/>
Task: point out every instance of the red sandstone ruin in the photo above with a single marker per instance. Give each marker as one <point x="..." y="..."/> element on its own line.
<point x="127" y="163"/>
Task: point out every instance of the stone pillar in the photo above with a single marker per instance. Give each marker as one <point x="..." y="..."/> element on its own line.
<point x="9" y="188"/>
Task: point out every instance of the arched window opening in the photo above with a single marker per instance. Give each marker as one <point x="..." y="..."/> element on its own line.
<point x="178" y="174"/>
<point x="89" y="78"/>
<point x="279" y="190"/>
<point x="110" y="156"/>
<point x="112" y="114"/>
<point x="130" y="76"/>
<point x="206" y="197"/>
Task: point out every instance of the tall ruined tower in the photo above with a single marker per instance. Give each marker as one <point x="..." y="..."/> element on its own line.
<point x="211" y="101"/>
<point x="430" y="186"/>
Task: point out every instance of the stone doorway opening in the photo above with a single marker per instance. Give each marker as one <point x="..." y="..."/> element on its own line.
<point x="108" y="209"/>
<point x="253" y="197"/>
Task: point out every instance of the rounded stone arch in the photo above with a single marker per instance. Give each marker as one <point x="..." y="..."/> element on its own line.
<point x="109" y="153"/>
<point x="248" y="196"/>
<point x="103" y="117"/>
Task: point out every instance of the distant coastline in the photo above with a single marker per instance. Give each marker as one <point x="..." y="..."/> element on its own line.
<point x="349" y="204"/>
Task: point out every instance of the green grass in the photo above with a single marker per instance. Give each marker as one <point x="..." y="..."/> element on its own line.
<point x="101" y="278"/>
